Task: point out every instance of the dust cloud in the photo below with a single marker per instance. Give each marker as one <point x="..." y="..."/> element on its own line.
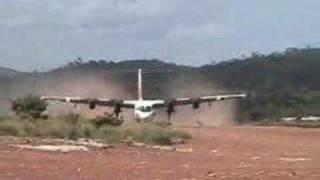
<point x="72" y="84"/>
<point x="103" y="85"/>
<point x="220" y="113"/>
<point x="215" y="115"/>
<point x="88" y="86"/>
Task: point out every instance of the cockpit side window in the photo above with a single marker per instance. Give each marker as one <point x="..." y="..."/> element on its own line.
<point x="148" y="108"/>
<point x="145" y="108"/>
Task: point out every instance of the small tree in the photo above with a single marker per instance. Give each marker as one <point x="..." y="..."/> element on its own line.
<point x="29" y="106"/>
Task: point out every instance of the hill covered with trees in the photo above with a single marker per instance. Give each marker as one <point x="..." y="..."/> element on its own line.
<point x="279" y="84"/>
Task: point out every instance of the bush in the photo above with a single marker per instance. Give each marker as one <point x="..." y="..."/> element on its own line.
<point x="107" y="119"/>
<point x="70" y="126"/>
<point x="154" y="134"/>
<point x="111" y="134"/>
<point x="29" y="107"/>
<point x="55" y="129"/>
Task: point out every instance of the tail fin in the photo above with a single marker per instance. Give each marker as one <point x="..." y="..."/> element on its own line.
<point x="140" y="95"/>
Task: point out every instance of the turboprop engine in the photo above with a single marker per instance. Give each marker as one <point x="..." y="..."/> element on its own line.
<point x="117" y="109"/>
<point x="195" y="104"/>
<point x="170" y="108"/>
<point x="92" y="104"/>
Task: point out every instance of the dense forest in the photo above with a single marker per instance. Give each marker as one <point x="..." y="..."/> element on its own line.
<point x="279" y="84"/>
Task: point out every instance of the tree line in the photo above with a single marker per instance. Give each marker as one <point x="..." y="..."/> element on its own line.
<point x="279" y="84"/>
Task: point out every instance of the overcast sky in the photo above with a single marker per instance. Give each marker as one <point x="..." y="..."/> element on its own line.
<point x="42" y="34"/>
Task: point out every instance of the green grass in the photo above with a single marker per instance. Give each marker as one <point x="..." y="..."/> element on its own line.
<point x="74" y="127"/>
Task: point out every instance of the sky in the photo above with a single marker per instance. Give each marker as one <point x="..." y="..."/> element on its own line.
<point x="44" y="34"/>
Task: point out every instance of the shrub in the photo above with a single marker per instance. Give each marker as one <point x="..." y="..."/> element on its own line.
<point x="29" y="107"/>
<point x="107" y="119"/>
<point x="30" y="129"/>
<point x="111" y="134"/>
<point x="87" y="129"/>
<point x="154" y="134"/>
<point x="53" y="128"/>
<point x="69" y="126"/>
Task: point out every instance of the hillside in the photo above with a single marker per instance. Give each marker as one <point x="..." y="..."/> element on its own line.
<point x="7" y="73"/>
<point x="293" y="69"/>
<point x="280" y="84"/>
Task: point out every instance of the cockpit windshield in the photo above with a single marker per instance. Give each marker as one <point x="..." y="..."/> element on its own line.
<point x="145" y="108"/>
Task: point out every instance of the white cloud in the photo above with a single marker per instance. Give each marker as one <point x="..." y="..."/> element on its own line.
<point x="46" y="33"/>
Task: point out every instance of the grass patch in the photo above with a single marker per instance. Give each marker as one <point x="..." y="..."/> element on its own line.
<point x="12" y="128"/>
<point x="155" y="134"/>
<point x="75" y="127"/>
<point x="111" y="134"/>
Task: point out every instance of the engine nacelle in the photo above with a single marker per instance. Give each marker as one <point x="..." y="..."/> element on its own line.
<point x="117" y="109"/>
<point x="196" y="104"/>
<point x="219" y="98"/>
<point x="171" y="107"/>
<point x="92" y="104"/>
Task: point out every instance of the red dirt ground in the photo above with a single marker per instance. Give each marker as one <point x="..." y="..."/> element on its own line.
<point x="239" y="153"/>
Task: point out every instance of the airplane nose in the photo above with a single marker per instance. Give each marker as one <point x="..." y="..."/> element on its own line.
<point x="144" y="115"/>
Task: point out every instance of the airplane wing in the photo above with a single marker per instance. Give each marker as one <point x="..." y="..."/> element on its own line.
<point x="198" y="100"/>
<point x="207" y="99"/>
<point x="92" y="102"/>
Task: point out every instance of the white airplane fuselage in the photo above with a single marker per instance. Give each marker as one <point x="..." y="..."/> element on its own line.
<point x="143" y="109"/>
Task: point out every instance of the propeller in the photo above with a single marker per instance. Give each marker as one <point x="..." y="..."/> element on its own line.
<point x="117" y="109"/>
<point x="196" y="104"/>
<point x="170" y="109"/>
<point x="75" y="105"/>
<point x="92" y="104"/>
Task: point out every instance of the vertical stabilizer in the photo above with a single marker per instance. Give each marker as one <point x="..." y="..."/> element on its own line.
<point x="140" y="96"/>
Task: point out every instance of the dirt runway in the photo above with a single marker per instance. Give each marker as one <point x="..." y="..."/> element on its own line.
<point x="237" y="153"/>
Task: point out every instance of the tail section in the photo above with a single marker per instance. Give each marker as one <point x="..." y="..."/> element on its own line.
<point x="140" y="95"/>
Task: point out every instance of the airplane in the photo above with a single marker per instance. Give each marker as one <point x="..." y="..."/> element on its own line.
<point x="144" y="109"/>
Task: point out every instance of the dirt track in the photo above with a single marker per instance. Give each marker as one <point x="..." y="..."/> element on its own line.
<point x="225" y="153"/>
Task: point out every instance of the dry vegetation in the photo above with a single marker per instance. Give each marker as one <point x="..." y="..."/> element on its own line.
<point x="74" y="127"/>
<point x="31" y="122"/>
